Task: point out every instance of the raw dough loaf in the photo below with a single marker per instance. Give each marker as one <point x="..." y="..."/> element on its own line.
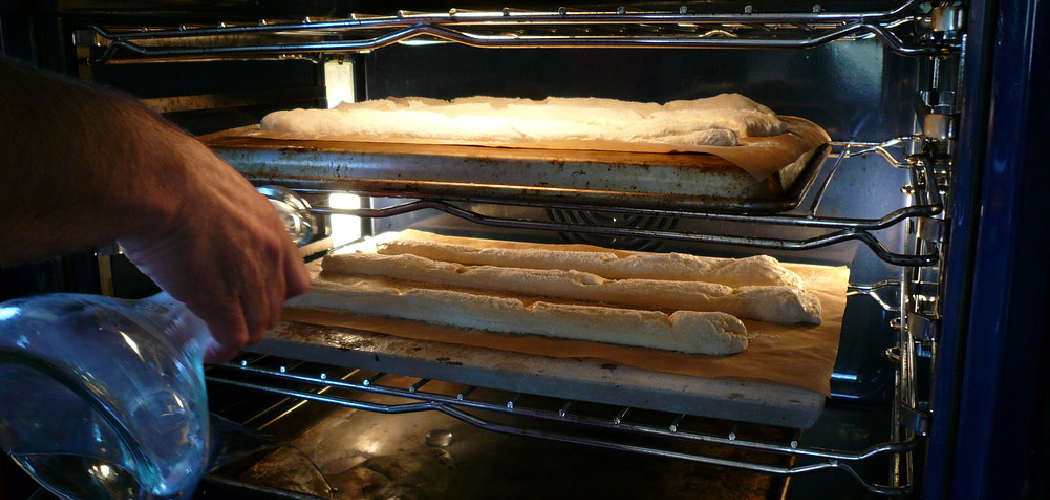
<point x="778" y="304"/>
<point x="683" y="331"/>
<point x="758" y="270"/>
<point x="715" y="121"/>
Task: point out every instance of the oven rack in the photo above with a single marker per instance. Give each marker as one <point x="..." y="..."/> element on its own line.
<point x="928" y="203"/>
<point x="663" y="433"/>
<point x="563" y="28"/>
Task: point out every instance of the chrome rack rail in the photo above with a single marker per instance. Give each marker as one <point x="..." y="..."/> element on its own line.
<point x="927" y="195"/>
<point x="511" y="28"/>
<point x="337" y="385"/>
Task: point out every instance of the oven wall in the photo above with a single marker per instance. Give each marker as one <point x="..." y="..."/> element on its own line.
<point x="857" y="91"/>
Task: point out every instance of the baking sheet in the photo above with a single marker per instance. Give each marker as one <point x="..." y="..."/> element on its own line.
<point x="782" y="379"/>
<point x="761" y="157"/>
<point x="595" y="177"/>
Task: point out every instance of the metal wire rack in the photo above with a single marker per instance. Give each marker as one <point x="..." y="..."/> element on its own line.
<point x="927" y="203"/>
<point x="511" y="28"/>
<point x="482" y="407"/>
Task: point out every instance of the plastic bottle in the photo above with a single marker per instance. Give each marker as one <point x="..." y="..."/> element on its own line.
<point x="103" y="398"/>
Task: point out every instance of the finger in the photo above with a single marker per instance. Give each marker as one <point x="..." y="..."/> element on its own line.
<point x="297" y="278"/>
<point x="257" y="313"/>
<point x="276" y="291"/>
<point x="229" y="334"/>
<point x="219" y="353"/>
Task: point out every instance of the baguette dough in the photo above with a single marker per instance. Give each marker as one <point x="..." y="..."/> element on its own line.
<point x="715" y="121"/>
<point x="758" y="270"/>
<point x="779" y="304"/>
<point x="683" y="331"/>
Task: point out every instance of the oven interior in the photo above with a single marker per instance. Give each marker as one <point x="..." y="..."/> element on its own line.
<point x="882" y="77"/>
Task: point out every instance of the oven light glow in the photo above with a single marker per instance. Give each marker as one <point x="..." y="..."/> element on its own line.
<point x="345" y="228"/>
<point x="338" y="82"/>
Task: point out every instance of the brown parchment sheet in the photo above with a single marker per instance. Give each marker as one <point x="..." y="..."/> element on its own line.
<point x="759" y="156"/>
<point x="798" y="355"/>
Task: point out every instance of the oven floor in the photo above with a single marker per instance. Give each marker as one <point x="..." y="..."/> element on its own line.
<point x="306" y="450"/>
<point x="351" y="454"/>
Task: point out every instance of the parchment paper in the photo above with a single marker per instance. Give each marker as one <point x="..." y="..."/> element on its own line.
<point x="800" y="355"/>
<point x="759" y="156"/>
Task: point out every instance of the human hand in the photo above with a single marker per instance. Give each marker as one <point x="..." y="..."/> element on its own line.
<point x="223" y="251"/>
<point x="102" y="167"/>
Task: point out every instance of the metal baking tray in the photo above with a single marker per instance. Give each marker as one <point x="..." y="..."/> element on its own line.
<point x="683" y="181"/>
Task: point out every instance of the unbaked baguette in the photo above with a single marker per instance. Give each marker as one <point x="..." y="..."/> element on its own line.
<point x="780" y="304"/>
<point x="758" y="270"/>
<point x="684" y="331"/>
<point x="721" y="120"/>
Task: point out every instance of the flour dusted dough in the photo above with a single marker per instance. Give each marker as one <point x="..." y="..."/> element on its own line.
<point x="758" y="270"/>
<point x="683" y="331"/>
<point x="778" y="304"/>
<point x="715" y="121"/>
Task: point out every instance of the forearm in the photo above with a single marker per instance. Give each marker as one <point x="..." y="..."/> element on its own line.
<point x="78" y="166"/>
<point x="82" y="167"/>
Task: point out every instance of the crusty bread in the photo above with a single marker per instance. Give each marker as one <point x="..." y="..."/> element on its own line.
<point x="683" y="331"/>
<point x="779" y="304"/>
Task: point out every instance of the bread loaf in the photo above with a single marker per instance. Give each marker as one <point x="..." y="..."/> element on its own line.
<point x="780" y="304"/>
<point x="684" y="331"/>
<point x="758" y="270"/>
<point x="719" y="121"/>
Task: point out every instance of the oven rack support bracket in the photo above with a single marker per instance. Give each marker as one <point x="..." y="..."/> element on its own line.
<point x="509" y="28"/>
<point x="288" y="378"/>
